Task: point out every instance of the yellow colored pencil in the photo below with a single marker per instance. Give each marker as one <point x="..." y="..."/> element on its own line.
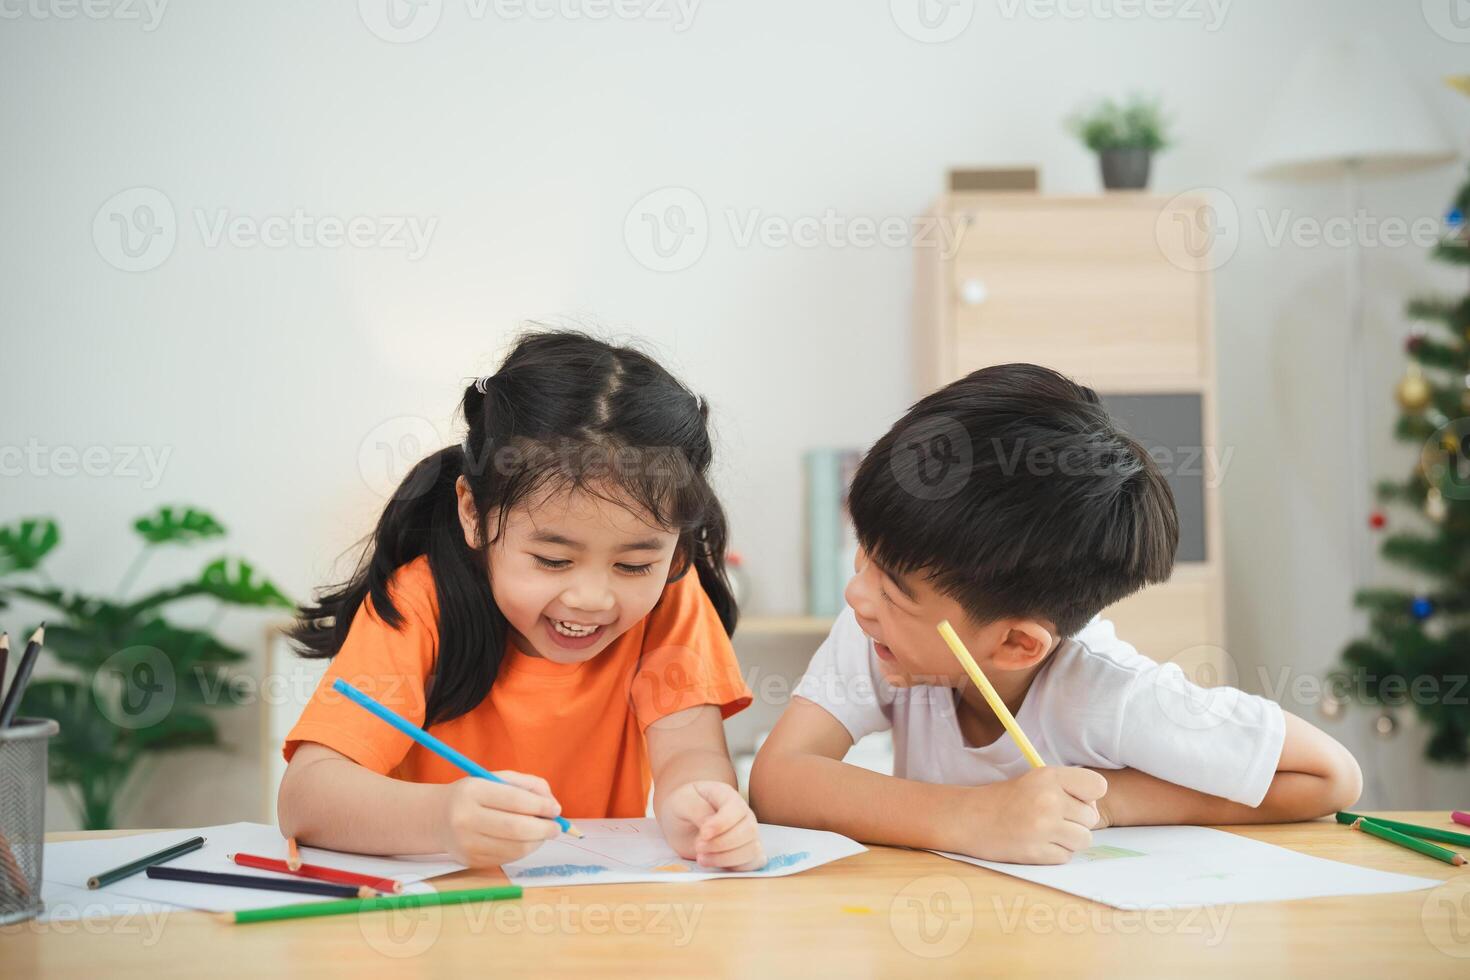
<point x="957" y="647"/>
<point x="293" y="856"/>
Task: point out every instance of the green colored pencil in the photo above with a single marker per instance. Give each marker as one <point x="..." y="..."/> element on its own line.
<point x="1412" y="843"/>
<point x="377" y="903"/>
<point x="143" y="863"/>
<point x="1412" y="829"/>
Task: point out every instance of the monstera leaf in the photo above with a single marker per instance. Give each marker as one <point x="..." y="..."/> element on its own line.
<point x="233" y="580"/>
<point x="228" y="580"/>
<point x="182" y="527"/>
<point x="24" y="543"/>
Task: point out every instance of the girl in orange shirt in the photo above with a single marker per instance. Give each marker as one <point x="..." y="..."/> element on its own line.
<point x="550" y="599"/>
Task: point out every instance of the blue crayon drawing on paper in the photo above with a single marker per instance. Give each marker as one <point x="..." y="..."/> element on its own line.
<point x="561" y="870"/>
<point x="785" y="860"/>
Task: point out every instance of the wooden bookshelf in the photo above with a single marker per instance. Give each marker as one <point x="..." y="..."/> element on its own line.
<point x="1115" y="291"/>
<point x="784" y="626"/>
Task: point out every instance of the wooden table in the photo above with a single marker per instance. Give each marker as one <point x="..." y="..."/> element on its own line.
<point x="888" y="912"/>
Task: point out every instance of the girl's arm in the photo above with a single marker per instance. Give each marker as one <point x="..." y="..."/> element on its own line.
<point x="328" y="800"/>
<point x="698" y="808"/>
<point x="1315" y="776"/>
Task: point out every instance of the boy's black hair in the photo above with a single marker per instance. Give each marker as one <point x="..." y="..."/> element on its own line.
<point x="1013" y="492"/>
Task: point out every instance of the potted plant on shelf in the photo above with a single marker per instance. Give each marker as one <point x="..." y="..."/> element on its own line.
<point x="1125" y="136"/>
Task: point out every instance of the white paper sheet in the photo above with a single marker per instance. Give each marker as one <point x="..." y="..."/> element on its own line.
<point x="66" y="903"/>
<point x="1182" y="867"/>
<point x="71" y="863"/>
<point x="616" y="851"/>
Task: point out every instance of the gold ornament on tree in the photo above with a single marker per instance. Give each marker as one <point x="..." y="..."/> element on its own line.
<point x="1413" y="390"/>
<point x="1385" y="726"/>
<point x="1434" y="506"/>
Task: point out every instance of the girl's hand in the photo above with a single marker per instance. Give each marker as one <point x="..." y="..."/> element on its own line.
<point x="484" y="824"/>
<point x="709" y="822"/>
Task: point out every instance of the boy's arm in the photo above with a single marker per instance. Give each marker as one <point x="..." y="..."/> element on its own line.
<point x="1314" y="777"/>
<point x="799" y="780"/>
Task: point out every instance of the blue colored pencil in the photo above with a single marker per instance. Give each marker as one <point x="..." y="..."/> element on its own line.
<point x="444" y="751"/>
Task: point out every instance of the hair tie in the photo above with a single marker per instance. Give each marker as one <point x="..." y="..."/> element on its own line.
<point x="481" y="384"/>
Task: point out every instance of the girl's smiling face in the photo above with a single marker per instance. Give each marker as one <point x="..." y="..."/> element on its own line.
<point x="572" y="571"/>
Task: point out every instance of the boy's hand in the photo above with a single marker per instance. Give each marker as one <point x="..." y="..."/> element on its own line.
<point x="707" y="821"/>
<point x="1043" y="817"/>
<point x="484" y="824"/>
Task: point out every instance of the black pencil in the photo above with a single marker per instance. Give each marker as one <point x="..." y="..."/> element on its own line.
<point x="4" y="658"/>
<point x="22" y="677"/>
<point x="299" y="886"/>
<point x="157" y="857"/>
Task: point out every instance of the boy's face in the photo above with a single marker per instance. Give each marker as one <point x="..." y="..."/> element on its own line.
<point x="900" y="614"/>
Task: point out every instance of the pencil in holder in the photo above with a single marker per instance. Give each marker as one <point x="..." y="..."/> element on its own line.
<point x="23" y="815"/>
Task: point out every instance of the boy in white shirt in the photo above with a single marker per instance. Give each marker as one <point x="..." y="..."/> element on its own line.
<point x="1010" y="504"/>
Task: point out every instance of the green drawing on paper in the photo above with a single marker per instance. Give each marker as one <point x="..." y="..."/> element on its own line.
<point x="1106" y="852"/>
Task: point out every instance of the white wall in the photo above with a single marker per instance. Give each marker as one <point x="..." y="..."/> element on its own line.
<point x="263" y="371"/>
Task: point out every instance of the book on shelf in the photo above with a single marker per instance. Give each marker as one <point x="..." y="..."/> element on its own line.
<point x="831" y="542"/>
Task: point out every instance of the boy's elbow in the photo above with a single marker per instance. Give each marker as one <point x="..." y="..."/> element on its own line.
<point x="1337" y="787"/>
<point x="1345" y="783"/>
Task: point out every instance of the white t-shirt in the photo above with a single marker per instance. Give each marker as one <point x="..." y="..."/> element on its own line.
<point x="1096" y="702"/>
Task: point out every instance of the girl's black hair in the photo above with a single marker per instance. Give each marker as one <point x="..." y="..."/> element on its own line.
<point x="565" y="411"/>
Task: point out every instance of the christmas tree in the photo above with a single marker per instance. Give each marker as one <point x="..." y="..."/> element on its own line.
<point x="1416" y="654"/>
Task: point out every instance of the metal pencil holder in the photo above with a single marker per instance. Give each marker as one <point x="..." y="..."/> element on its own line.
<point x="22" y="815"/>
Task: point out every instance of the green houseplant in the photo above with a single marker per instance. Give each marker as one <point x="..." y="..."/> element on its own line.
<point x="132" y="683"/>
<point x="1125" y="136"/>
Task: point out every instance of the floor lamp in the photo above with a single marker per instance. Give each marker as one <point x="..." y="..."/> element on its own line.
<point x="1346" y="113"/>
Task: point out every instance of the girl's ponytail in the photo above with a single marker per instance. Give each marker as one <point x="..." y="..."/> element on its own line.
<point x="708" y="554"/>
<point x="422" y="518"/>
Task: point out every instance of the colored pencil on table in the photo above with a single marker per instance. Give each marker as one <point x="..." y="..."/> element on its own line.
<point x="441" y="749"/>
<point x="256" y="881"/>
<point x="309" y="910"/>
<point x="1412" y="843"/>
<point x="4" y="659"/>
<point x="157" y="857"/>
<point x="22" y="677"/>
<point x="293" y="856"/>
<point x="317" y="872"/>
<point x="12" y="869"/>
<point x="957" y="647"/>
<point x="1460" y="816"/>
<point x="1412" y="829"/>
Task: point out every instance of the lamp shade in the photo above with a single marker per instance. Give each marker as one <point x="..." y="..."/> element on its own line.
<point x="1346" y="103"/>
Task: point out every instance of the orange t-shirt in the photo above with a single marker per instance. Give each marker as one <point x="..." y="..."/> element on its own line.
<point x="578" y="726"/>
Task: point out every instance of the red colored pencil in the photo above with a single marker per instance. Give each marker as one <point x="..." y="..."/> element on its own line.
<point x="319" y="873"/>
<point x="1460" y="816"/>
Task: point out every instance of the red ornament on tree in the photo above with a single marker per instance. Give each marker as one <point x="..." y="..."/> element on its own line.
<point x="1377" y="520"/>
<point x="1415" y="341"/>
